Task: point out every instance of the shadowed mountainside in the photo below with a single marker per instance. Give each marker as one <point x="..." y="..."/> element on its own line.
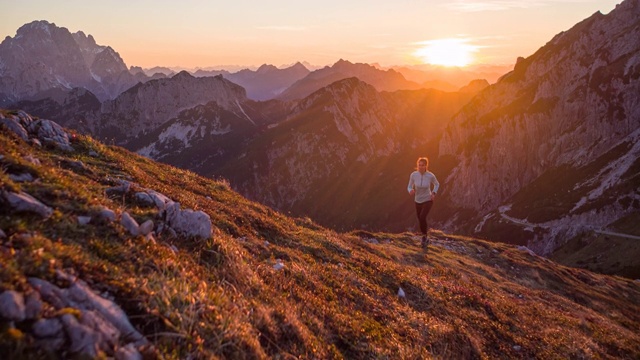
<point x="264" y="285"/>
<point x="551" y="152"/>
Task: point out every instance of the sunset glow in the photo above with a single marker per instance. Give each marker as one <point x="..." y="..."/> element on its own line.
<point x="198" y="33"/>
<point x="446" y="52"/>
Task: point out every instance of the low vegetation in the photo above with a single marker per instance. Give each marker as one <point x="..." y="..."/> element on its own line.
<point x="335" y="297"/>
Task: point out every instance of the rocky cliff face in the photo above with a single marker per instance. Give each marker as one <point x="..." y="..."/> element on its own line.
<point x="207" y="135"/>
<point x="43" y="56"/>
<point x="145" y="107"/>
<point x="343" y="154"/>
<point x="572" y="102"/>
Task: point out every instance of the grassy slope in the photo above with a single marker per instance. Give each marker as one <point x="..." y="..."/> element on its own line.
<point x="606" y="254"/>
<point x="336" y="296"/>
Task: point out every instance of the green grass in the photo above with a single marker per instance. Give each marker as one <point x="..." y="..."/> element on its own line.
<point x="336" y="297"/>
<point x="607" y="254"/>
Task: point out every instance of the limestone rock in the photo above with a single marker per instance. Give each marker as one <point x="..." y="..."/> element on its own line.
<point x="12" y="306"/>
<point x="107" y="214"/>
<point x="33" y="305"/>
<point x="188" y="222"/>
<point x="146" y="227"/>
<point x="46" y="328"/>
<point x="25" y="202"/>
<point x="13" y="125"/>
<point x="130" y="224"/>
<point x="50" y="132"/>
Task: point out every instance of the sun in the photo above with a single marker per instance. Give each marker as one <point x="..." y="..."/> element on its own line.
<point x="446" y="52"/>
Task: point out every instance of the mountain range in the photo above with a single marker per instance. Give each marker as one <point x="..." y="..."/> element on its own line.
<point x="108" y="254"/>
<point x="547" y="156"/>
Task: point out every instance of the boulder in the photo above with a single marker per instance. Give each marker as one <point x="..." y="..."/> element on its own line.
<point x="47" y="328"/>
<point x="13" y="125"/>
<point x="12" y="306"/>
<point x="49" y="132"/>
<point x="188" y="222"/>
<point x="33" y="305"/>
<point x="25" y="202"/>
<point x="107" y="214"/>
<point x="26" y="177"/>
<point x="146" y="227"/>
<point x="130" y="224"/>
<point x="159" y="199"/>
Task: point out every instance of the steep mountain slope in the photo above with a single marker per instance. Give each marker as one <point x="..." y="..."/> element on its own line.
<point x="382" y="80"/>
<point x="43" y="56"/>
<point x="552" y="150"/>
<point x="209" y="135"/>
<point x="145" y="107"/>
<point x="76" y="108"/>
<point x="343" y="154"/>
<point x="77" y="282"/>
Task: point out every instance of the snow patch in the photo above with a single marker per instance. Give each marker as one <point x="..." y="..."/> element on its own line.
<point x="244" y="113"/>
<point x="63" y="82"/>
<point x="478" y="227"/>
<point x="96" y="77"/>
<point x="610" y="175"/>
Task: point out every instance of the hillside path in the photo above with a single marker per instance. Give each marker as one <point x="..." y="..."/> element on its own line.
<point x="617" y="234"/>
<point x="527" y="224"/>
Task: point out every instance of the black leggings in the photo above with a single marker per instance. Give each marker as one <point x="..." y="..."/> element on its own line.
<point x="422" y="210"/>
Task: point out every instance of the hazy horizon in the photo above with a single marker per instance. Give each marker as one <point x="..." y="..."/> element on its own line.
<point x="197" y="34"/>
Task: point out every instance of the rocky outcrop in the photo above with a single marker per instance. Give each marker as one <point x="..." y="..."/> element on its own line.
<point x="170" y="217"/>
<point x="571" y="102"/>
<point x="187" y="222"/>
<point x="23" y="202"/>
<point x="37" y="131"/>
<point x="85" y="324"/>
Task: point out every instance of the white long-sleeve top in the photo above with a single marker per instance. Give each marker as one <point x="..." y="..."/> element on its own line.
<point x="421" y="183"/>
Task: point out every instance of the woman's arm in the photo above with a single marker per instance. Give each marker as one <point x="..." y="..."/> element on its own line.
<point x="411" y="184"/>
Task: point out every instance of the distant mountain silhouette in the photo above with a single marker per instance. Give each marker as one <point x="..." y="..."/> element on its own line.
<point x="433" y="76"/>
<point x="382" y="80"/>
<point x="264" y="83"/>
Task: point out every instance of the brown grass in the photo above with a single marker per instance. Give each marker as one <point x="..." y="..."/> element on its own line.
<point x="335" y="298"/>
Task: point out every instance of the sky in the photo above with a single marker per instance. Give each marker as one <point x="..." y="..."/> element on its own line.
<point x="214" y="33"/>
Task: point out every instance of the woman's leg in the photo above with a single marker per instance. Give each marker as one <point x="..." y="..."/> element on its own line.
<point x="422" y="216"/>
<point x="422" y="210"/>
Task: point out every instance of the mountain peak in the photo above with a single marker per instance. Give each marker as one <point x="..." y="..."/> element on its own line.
<point x="38" y="26"/>
<point x="342" y="63"/>
<point x="266" y="68"/>
<point x="184" y="74"/>
<point x="298" y="66"/>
